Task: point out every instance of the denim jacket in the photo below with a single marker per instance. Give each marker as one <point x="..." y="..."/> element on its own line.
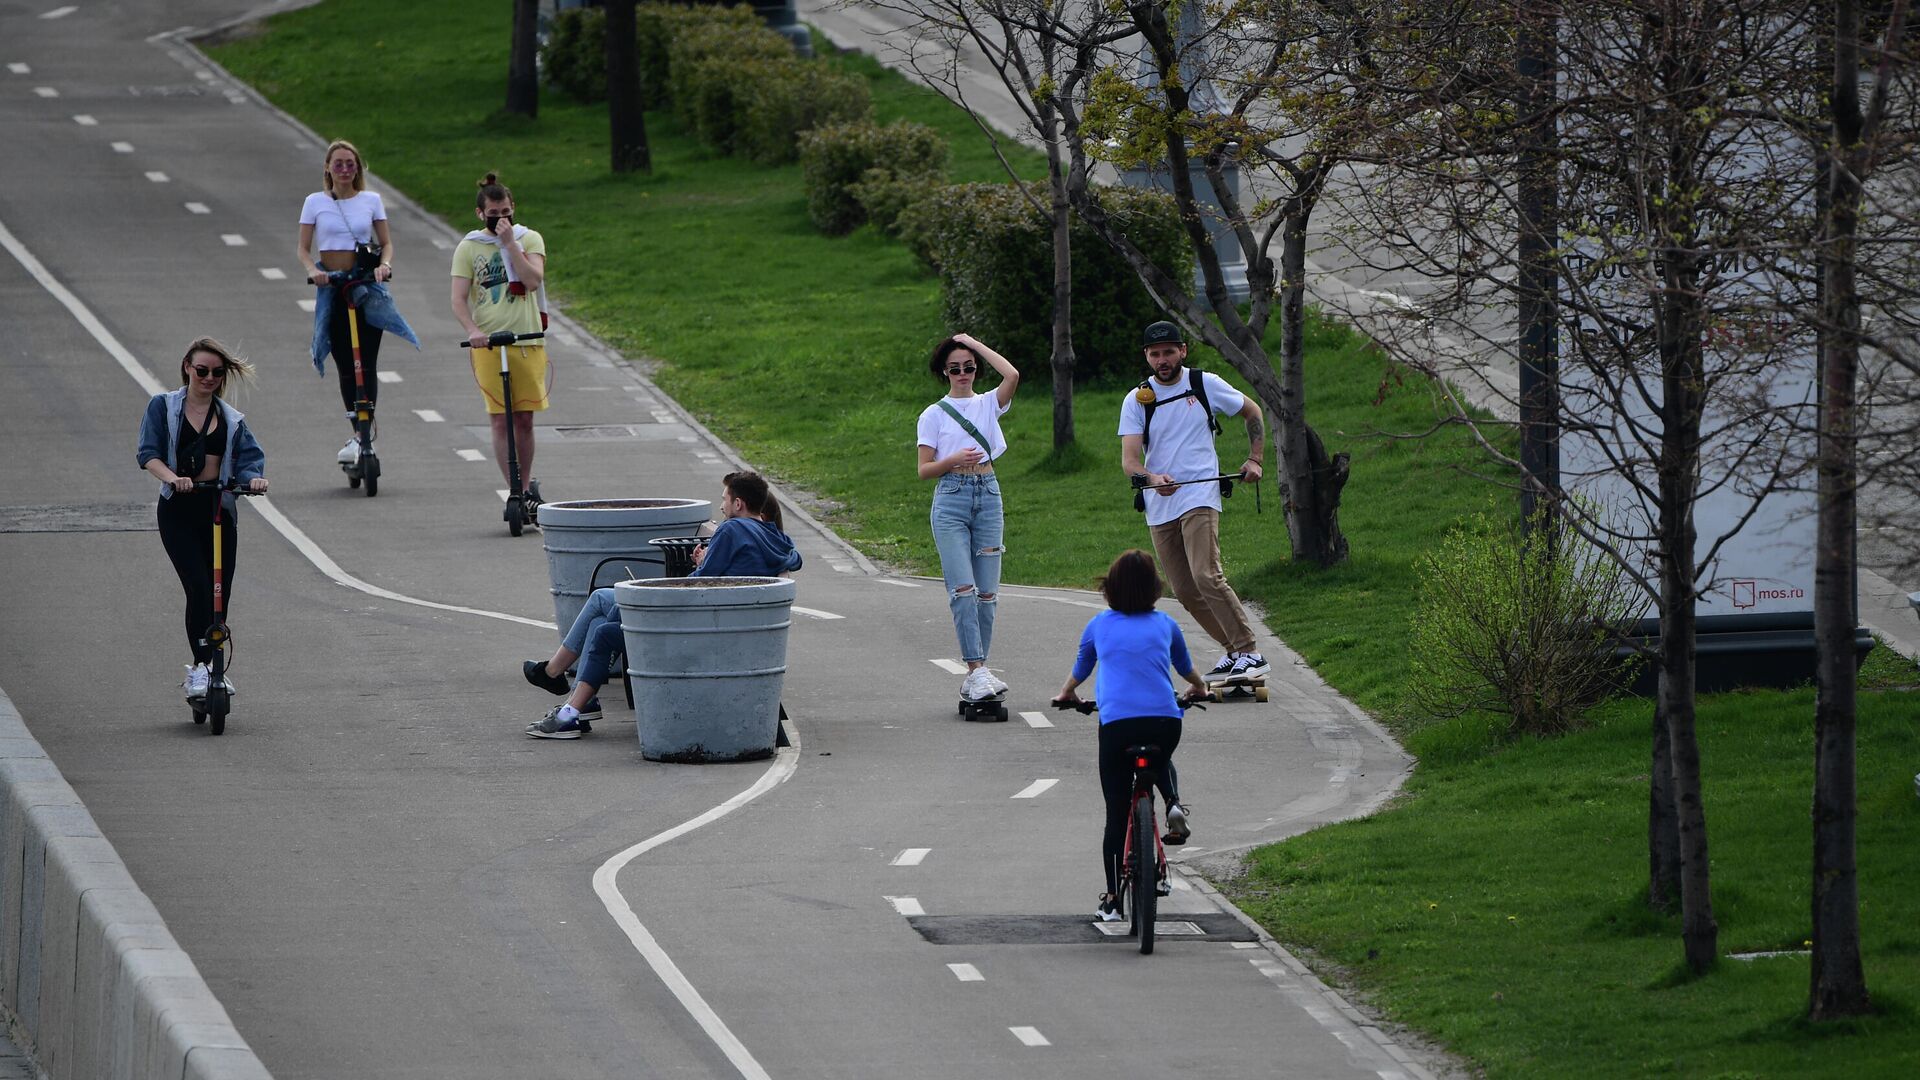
<point x="376" y="307"/>
<point x="160" y="428"/>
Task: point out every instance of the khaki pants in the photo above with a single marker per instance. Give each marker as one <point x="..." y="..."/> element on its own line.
<point x="1189" y="552"/>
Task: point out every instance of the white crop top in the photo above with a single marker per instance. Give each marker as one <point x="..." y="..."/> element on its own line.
<point x="340" y="224"/>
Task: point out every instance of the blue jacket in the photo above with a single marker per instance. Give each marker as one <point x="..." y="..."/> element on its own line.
<point x="376" y="307"/>
<point x="160" y="427"/>
<point x="1134" y="653"/>
<point x="748" y="547"/>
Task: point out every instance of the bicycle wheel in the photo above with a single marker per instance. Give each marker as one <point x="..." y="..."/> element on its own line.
<point x="1145" y="895"/>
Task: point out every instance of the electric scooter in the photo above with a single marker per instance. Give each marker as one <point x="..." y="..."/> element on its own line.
<point x="366" y="467"/>
<point x="212" y="709"/>
<point x="521" y="504"/>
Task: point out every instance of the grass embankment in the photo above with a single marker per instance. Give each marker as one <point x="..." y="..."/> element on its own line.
<point x="808" y="354"/>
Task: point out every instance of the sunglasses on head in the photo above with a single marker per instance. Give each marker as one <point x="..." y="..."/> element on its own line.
<point x="956" y="370"/>
<point x="210" y="372"/>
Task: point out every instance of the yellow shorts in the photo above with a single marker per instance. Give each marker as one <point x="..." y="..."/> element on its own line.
<point x="531" y="377"/>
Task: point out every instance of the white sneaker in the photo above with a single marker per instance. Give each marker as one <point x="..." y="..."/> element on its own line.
<point x="227" y="682"/>
<point x="350" y="453"/>
<point x="994" y="681"/>
<point x="978" y="685"/>
<point x="196" y="682"/>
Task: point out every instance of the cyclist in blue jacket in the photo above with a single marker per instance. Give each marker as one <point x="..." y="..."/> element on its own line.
<point x="1135" y="646"/>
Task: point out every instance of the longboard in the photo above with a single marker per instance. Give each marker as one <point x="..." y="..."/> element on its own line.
<point x="992" y="710"/>
<point x="1229" y="689"/>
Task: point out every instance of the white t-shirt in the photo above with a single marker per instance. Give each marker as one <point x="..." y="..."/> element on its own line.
<point x="946" y="436"/>
<point x="330" y="232"/>
<point x="1180" y="444"/>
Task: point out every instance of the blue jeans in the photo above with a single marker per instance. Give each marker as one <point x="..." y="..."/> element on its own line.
<point x="597" y="637"/>
<point x="967" y="529"/>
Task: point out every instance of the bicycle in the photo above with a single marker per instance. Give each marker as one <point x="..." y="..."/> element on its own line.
<point x="1143" y="861"/>
<point x="366" y="467"/>
<point x="521" y="505"/>
<point x="213" y="708"/>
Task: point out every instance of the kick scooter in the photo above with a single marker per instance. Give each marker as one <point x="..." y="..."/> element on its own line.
<point x="212" y="709"/>
<point x="366" y="467"/>
<point x="521" y="504"/>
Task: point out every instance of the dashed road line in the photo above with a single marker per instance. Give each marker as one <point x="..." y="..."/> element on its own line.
<point x="305" y="305"/>
<point x="122" y="147"/>
<point x="912" y="856"/>
<point x="896" y="581"/>
<point x="814" y="613"/>
<point x="19" y="69"/>
<point x="273" y="273"/>
<point x="1030" y="1036"/>
<point x="966" y="973"/>
<point x="906" y="905"/>
<point x="159" y="177"/>
<point x="387" y="376"/>
<point x="1036" y="720"/>
<point x="1035" y="789"/>
<point x="470" y="454"/>
<point x="59" y="12"/>
<point x="233" y="239"/>
<point x="430" y="416"/>
<point x="46" y="91"/>
<point x="197" y="208"/>
<point x="85" y="120"/>
<point x="953" y="666"/>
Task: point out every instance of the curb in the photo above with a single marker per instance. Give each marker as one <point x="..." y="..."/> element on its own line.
<point x="92" y="983"/>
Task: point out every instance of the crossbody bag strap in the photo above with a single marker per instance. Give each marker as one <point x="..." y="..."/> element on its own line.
<point x="968" y="428"/>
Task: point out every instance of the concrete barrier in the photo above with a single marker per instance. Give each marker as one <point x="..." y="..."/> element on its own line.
<point x="91" y="982"/>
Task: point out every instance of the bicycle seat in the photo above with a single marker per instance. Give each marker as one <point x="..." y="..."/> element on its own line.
<point x="1151" y="753"/>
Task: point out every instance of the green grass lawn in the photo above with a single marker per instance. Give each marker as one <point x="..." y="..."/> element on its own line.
<point x="808" y="353"/>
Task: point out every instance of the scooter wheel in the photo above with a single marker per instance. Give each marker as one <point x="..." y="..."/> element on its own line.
<point x="217" y="724"/>
<point x="353" y="481"/>
<point x="199" y="717"/>
<point x="516" y="516"/>
<point x="373" y="477"/>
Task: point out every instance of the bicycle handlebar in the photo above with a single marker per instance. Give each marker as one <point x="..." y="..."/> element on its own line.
<point x="501" y="338"/>
<point x="1185" y="702"/>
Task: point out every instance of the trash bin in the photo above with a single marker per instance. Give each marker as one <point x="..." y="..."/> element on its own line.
<point x="593" y="543"/>
<point x="678" y="552"/>
<point x="707" y="657"/>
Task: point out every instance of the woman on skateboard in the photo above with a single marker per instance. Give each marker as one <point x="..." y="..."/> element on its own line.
<point x="192" y="434"/>
<point x="1134" y="646"/>
<point x="959" y="436"/>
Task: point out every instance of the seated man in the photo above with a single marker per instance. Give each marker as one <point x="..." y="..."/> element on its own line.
<point x="748" y="543"/>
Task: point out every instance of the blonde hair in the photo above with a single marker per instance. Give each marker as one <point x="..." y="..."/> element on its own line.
<point x="238" y="369"/>
<point x="359" y="174"/>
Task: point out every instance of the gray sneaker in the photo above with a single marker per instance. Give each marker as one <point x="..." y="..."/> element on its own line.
<point x="552" y="727"/>
<point x="1177" y="828"/>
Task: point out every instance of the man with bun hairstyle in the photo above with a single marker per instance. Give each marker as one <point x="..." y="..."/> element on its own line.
<point x="499" y="283"/>
<point x="1166" y="434"/>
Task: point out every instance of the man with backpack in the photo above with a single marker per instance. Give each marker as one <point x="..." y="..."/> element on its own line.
<point x="1166" y="435"/>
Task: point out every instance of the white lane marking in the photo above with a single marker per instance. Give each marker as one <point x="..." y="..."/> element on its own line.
<point x="471" y="455"/>
<point x="502" y="492"/>
<point x="198" y="208"/>
<point x="268" y="512"/>
<point x="906" y="905"/>
<point x="59" y="12"/>
<point x="85" y="121"/>
<point x="954" y="666"/>
<point x="815" y="613"/>
<point x="273" y="273"/>
<point x="606" y="882"/>
<point x="1030" y="1036"/>
<point x="966" y="973"/>
<point x="442" y="243"/>
<point x="387" y="376"/>
<point x="46" y="91"/>
<point x="203" y="74"/>
<point x="430" y="416"/>
<point x="1036" y="720"/>
<point x="912" y="856"/>
<point x="902" y="584"/>
<point x="305" y="305"/>
<point x="1035" y="789"/>
<point x="158" y="177"/>
<point x="233" y="239"/>
<point x="122" y="147"/>
<point x="19" y="69"/>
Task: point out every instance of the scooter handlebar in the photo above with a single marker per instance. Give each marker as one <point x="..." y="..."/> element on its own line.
<point x="502" y="338"/>
<point x="231" y="485"/>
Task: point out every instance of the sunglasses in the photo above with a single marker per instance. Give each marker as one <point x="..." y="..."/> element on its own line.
<point x="968" y="370"/>
<point x="210" y="372"/>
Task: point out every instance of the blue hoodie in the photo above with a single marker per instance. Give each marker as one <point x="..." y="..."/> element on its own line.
<point x="748" y="547"/>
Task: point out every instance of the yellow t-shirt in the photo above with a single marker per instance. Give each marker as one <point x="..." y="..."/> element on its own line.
<point x="494" y="307"/>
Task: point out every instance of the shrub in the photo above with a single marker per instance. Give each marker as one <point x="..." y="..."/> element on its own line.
<point x="709" y="65"/>
<point x="885" y="198"/>
<point x="778" y="101"/>
<point x="574" y="56"/>
<point x="655" y="27"/>
<point x="1523" y="625"/>
<point x="838" y="159"/>
<point x="994" y="254"/>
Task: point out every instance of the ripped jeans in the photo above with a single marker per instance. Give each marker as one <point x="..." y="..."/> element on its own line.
<point x="968" y="530"/>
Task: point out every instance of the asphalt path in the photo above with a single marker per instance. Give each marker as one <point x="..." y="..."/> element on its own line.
<point x="377" y="872"/>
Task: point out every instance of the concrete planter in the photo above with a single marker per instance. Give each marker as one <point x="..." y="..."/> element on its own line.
<point x="596" y="542"/>
<point x="707" y="657"/>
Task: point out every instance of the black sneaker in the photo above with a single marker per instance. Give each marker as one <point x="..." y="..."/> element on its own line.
<point x="590" y="711"/>
<point x="1108" y="909"/>
<point x="536" y="673"/>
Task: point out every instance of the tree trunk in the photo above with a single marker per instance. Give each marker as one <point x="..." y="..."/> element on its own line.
<point x="1663" y="825"/>
<point x="1310" y="482"/>
<point x="626" y="115"/>
<point x="1537" y="286"/>
<point x="523" y="78"/>
<point x="1062" y="211"/>
<point x="1838" y="983"/>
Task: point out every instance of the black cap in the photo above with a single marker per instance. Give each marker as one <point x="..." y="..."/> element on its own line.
<point x="1161" y="333"/>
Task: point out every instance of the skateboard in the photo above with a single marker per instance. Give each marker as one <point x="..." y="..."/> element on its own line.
<point x="1229" y="689"/>
<point x="992" y="710"/>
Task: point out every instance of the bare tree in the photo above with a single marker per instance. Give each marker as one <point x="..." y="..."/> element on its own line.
<point x="523" y="78"/>
<point x="626" y="112"/>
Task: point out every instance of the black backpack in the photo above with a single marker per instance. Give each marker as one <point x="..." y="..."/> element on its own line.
<point x="1196" y="389"/>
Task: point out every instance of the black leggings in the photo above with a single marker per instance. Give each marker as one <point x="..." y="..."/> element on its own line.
<point x="1116" y="779"/>
<point x="186" y="528"/>
<point x="341" y="341"/>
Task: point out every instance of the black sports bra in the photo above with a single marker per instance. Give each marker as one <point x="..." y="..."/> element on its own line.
<point x="192" y="447"/>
